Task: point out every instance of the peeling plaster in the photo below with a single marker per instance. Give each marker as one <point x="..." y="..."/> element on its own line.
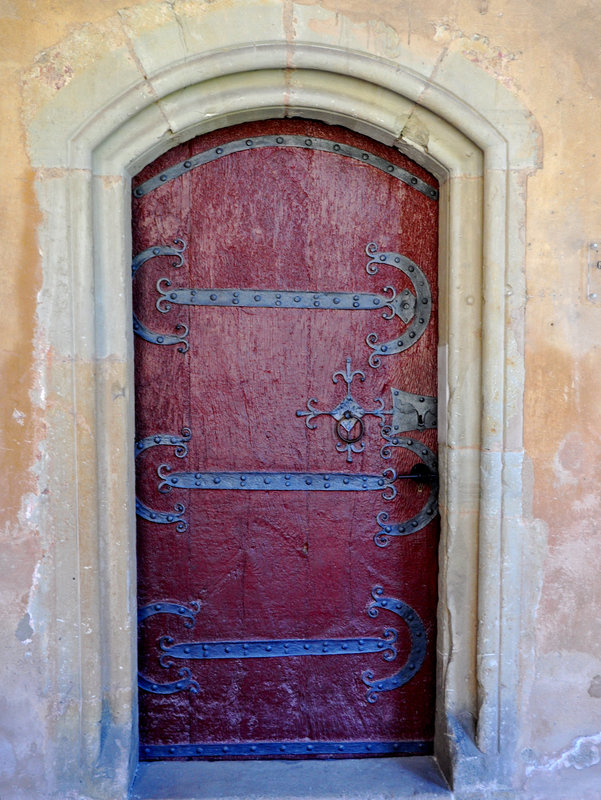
<point x="24" y="630"/>
<point x="19" y="417"/>
<point x="594" y="689"/>
<point x="582" y="753"/>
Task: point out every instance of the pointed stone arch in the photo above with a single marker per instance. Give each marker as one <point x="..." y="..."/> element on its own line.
<point x="169" y="78"/>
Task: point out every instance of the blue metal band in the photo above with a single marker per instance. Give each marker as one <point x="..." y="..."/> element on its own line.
<point x="163" y="517"/>
<point x="167" y="607"/>
<point x="184" y="683"/>
<point x="402" y="306"/>
<point x="252" y="749"/>
<point x="277" y="648"/>
<point x="179" y="442"/>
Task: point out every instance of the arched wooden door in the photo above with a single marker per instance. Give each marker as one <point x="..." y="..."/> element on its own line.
<point x="285" y="312"/>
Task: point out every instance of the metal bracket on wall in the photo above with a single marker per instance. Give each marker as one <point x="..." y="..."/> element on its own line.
<point x="593" y="283"/>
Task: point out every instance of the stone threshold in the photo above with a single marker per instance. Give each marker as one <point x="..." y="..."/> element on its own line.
<point x="417" y="777"/>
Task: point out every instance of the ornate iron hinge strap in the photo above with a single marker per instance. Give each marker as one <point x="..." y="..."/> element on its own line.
<point x="139" y="328"/>
<point x="409" y="412"/>
<point x="294" y="140"/>
<point x="282" y="648"/>
<point x="410" y="308"/>
<point x="277" y="648"/>
<point x="402" y="305"/>
<point x="281" y="481"/>
<point x="181" y="450"/>
<point x="428" y="475"/>
<point x="315" y="748"/>
<point x="423" y="303"/>
<point x="298" y="481"/>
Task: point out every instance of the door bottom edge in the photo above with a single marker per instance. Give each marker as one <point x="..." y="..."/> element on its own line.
<point x="284" y="750"/>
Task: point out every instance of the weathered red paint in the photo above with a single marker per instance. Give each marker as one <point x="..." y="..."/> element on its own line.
<point x="282" y="564"/>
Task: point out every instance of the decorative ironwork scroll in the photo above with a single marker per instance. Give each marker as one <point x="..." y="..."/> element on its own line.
<point x="179" y="442"/>
<point x="423" y="303"/>
<point x="185" y="681"/>
<point x="348" y="415"/>
<point x="417" y="653"/>
<point x="410" y="308"/>
<point x="283" y="648"/>
<point x="304" y="142"/>
<point x="163" y="517"/>
<point x="409" y="412"/>
<point x="167" y="607"/>
<point x="181" y="450"/>
<point x="429" y="474"/>
<point x="139" y="328"/>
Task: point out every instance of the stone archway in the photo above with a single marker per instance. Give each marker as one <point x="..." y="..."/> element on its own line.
<point x="480" y="144"/>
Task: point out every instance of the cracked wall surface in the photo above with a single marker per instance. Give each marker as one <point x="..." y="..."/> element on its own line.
<point x="544" y="54"/>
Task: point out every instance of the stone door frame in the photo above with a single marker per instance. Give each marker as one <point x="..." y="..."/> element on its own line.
<point x="118" y="113"/>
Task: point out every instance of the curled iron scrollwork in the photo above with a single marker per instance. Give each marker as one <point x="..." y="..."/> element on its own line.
<point x="180" y="443"/>
<point x="140" y="329"/>
<point x="419" y="307"/>
<point x="416" y="655"/>
<point x="348" y="414"/>
<point x="187" y="612"/>
<point x="428" y="474"/>
<point x="185" y="681"/>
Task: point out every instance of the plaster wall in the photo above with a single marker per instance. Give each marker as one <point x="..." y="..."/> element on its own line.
<point x="544" y="54"/>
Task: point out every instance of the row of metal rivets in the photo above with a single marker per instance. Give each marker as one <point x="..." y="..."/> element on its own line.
<point x="323" y="145"/>
<point x="292" y="748"/>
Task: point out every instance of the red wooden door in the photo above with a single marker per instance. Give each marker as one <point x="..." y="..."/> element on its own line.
<point x="285" y="312"/>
